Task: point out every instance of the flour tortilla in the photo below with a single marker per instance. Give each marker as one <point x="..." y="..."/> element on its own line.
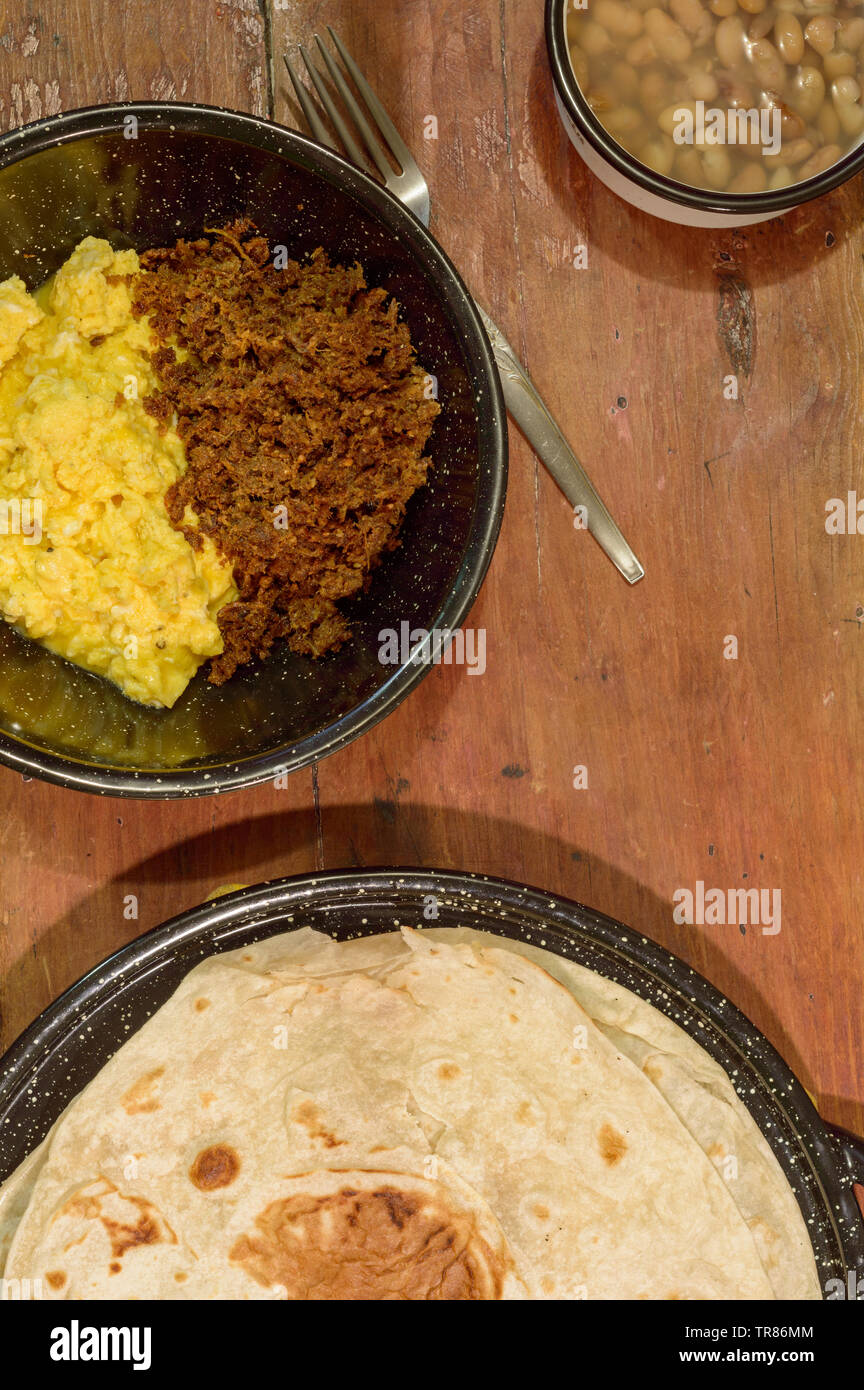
<point x="705" y="1101"/>
<point x="429" y="1115"/>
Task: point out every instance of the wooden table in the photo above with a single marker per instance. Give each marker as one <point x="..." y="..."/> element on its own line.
<point x="733" y="772"/>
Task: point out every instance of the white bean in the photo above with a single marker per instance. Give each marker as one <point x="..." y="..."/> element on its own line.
<point x="808" y="92"/>
<point x="850" y="34"/>
<point x="795" y="151"/>
<point x="594" y="39"/>
<point x="789" y="37"/>
<point x="688" y="166"/>
<point x="780" y="178"/>
<point x="716" y="166"/>
<point x="619" y="19"/>
<point x="820" y="161"/>
<point x="752" y="179"/>
<point x="659" y="154"/>
<point x="624" y="120"/>
<point x="828" y="124"/>
<point x="702" y="86"/>
<point x="641" y="52"/>
<point x="845" y="90"/>
<point x="846" y="94"/>
<point x="838" y="64"/>
<point x="694" y="20"/>
<point x="668" y="37"/>
<point x="625" y="82"/>
<point x="729" y="41"/>
<point x="654" y="92"/>
<point x="767" y="64"/>
<point x="760" y="25"/>
<point x="820" y="33"/>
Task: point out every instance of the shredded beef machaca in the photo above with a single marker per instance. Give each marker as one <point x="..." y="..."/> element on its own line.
<point x="304" y="416"/>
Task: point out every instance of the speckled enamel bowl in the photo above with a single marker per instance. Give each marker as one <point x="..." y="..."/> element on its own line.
<point x="143" y="174"/>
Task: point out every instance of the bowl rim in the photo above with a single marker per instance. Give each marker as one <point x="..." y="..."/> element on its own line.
<point x="25" y="756"/>
<point x="234" y="920"/>
<point x="682" y="194"/>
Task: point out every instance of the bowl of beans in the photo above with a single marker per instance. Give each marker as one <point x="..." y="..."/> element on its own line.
<point x="712" y="113"/>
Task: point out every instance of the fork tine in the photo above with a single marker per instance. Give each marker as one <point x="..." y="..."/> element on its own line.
<point x="385" y="125"/>
<point x="355" y="113"/>
<point x="313" y="120"/>
<point x="354" y="150"/>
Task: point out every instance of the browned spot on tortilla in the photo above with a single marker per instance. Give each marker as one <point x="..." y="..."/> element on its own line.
<point x="56" y="1278"/>
<point x="207" y="1097"/>
<point x="215" y="1167"/>
<point x="514" y="1018"/>
<point x="114" y="1267"/>
<point x="716" y="1151"/>
<point x="145" y="1225"/>
<point x="448" y="1071"/>
<point x="382" y="1244"/>
<point x="141" y="1096"/>
<point x="766" y="1236"/>
<point x="201" y="1004"/>
<point x="541" y="1211"/>
<point x="180" y="1277"/>
<point x="547" y="1285"/>
<point x="613" y="1145"/>
<point x="148" y="1229"/>
<point x="307" y="1114"/>
<point x="525" y="1113"/>
<point x="84" y="1206"/>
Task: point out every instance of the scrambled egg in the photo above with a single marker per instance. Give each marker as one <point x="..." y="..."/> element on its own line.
<point x="90" y="565"/>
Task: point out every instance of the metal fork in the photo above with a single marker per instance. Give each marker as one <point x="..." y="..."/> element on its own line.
<point x="524" y="401"/>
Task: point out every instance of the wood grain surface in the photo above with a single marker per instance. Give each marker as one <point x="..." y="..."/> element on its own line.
<point x="736" y="772"/>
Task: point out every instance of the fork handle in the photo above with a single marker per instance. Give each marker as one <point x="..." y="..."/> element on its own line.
<point x="536" y="422"/>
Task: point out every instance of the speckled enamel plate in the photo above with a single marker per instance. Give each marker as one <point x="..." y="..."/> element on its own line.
<point x="65" y="1047"/>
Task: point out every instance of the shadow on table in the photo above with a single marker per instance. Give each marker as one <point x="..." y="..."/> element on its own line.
<point x="245" y="852"/>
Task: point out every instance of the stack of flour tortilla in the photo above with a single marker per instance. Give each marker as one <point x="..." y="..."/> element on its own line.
<point x="416" y="1115"/>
